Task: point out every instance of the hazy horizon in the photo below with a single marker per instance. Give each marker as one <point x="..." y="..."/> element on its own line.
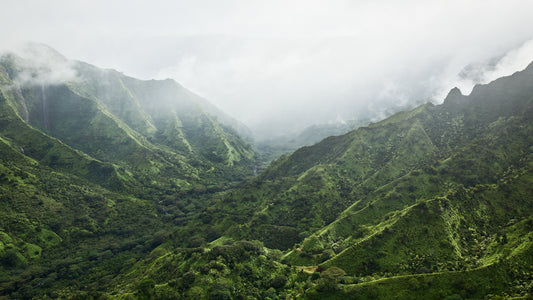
<point x="279" y="66"/>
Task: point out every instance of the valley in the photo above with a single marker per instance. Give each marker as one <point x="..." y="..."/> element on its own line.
<point x="113" y="187"/>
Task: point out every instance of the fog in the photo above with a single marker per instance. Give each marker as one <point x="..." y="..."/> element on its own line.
<point x="41" y="65"/>
<point x="279" y="66"/>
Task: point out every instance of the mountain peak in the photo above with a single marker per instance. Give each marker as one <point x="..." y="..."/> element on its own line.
<point x="454" y="96"/>
<point x="455" y="92"/>
<point x="529" y="67"/>
<point x="40" y="52"/>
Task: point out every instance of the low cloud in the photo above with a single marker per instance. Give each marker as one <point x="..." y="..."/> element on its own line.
<point x="485" y="71"/>
<point x="38" y="64"/>
<point x="282" y="65"/>
<point x="513" y="61"/>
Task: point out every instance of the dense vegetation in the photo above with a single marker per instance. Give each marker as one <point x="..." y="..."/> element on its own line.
<point x="112" y="187"/>
<point x="100" y="170"/>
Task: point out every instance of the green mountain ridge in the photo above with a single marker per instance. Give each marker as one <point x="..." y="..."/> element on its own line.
<point x="342" y="195"/>
<point x="128" y="122"/>
<point x="100" y="168"/>
<point x="118" y="188"/>
<point x="371" y="158"/>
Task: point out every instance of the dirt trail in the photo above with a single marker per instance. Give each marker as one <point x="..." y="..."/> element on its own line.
<point x="308" y="269"/>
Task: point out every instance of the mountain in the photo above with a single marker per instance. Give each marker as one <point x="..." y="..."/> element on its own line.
<point x="113" y="187"/>
<point x="342" y="175"/>
<point x="133" y="125"/>
<point x="97" y="167"/>
<point x="439" y="189"/>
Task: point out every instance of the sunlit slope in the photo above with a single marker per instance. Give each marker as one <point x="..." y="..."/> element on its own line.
<point x="471" y="242"/>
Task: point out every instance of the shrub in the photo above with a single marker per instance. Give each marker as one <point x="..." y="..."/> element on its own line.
<point x="196" y="242"/>
<point x="188" y="279"/>
<point x="334" y="274"/>
<point x="279" y="282"/>
<point x="195" y="293"/>
<point x="11" y="258"/>
<point x="146" y="287"/>
<point x="326" y="285"/>
<point x="220" y="290"/>
<point x="270" y="294"/>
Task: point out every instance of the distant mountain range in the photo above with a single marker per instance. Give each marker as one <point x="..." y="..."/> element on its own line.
<point x="113" y="187"/>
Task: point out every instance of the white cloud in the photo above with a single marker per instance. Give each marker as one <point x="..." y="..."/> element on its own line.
<point x="41" y="65"/>
<point x="284" y="63"/>
<point x="481" y="71"/>
<point x="515" y="60"/>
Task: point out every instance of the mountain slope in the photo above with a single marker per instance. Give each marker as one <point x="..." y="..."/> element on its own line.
<point x="46" y="150"/>
<point x="433" y="202"/>
<point x="55" y="227"/>
<point x="392" y="163"/>
<point x="113" y="187"/>
<point x="97" y="169"/>
<point x="151" y="129"/>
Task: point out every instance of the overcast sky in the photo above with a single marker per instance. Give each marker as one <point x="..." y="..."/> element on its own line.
<point x="281" y="65"/>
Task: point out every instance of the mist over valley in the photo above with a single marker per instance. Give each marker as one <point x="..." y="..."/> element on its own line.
<point x="266" y="150"/>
